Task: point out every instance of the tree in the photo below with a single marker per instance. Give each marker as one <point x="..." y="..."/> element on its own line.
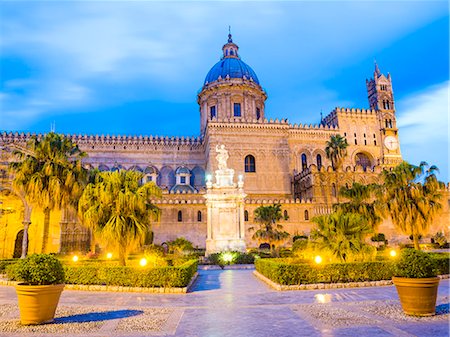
<point x="49" y="174"/>
<point x="410" y="195"/>
<point x="118" y="208"/>
<point x="336" y="150"/>
<point x="269" y="230"/>
<point x="360" y="197"/>
<point x="343" y="236"/>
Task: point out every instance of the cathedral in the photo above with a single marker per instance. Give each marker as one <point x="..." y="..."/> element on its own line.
<point x="279" y="162"/>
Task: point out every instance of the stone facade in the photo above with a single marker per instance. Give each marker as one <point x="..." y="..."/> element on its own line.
<point x="280" y="162"/>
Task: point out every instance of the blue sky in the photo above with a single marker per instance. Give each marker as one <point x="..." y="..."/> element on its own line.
<point x="135" y="67"/>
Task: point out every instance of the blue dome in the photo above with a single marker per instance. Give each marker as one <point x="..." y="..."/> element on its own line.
<point x="234" y="67"/>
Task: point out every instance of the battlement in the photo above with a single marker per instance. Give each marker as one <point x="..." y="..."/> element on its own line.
<point x="332" y="118"/>
<point x="9" y="137"/>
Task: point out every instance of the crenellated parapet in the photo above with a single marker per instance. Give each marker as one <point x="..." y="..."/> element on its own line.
<point x="332" y="119"/>
<point x="123" y="140"/>
<point x="269" y="201"/>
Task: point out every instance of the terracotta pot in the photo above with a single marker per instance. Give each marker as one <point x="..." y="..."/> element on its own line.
<point x="37" y="304"/>
<point x="417" y="295"/>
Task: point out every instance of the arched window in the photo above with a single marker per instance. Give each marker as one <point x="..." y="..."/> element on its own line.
<point x="333" y="189"/>
<point x="258" y="113"/>
<point x="199" y="216"/>
<point x="212" y="111"/>
<point x="249" y="164"/>
<point x="304" y="162"/>
<point x="285" y="215"/>
<point x="180" y="216"/>
<point x="319" y="161"/>
<point x="306" y="215"/>
<point x="245" y="215"/>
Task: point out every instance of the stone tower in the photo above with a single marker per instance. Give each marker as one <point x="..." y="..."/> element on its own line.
<point x="231" y="91"/>
<point x="381" y="99"/>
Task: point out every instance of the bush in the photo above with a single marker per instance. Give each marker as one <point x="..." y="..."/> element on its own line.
<point x="442" y="261"/>
<point x="228" y="258"/>
<point x="440" y="239"/>
<point x="6" y="263"/>
<point x="180" y="246"/>
<point x="299" y="245"/>
<point x="380" y="237"/>
<point x="415" y="264"/>
<point x="37" y="269"/>
<point x="292" y="272"/>
<point x="170" y="276"/>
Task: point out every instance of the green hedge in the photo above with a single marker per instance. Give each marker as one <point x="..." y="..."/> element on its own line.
<point x="294" y="272"/>
<point x="178" y="276"/>
<point x="5" y="263"/>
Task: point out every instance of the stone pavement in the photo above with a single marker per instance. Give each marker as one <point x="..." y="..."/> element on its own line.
<point x="231" y="303"/>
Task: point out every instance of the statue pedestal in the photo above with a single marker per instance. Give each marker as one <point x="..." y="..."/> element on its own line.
<point x="225" y="206"/>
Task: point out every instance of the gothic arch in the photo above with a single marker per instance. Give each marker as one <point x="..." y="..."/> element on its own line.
<point x="364" y="160"/>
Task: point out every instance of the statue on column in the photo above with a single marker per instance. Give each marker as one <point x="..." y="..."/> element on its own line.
<point x="222" y="157"/>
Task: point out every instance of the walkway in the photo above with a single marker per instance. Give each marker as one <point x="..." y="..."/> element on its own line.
<point x="231" y="303"/>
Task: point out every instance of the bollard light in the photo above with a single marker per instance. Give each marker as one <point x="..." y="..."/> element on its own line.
<point x="318" y="259"/>
<point x="393" y="253"/>
<point x="75" y="258"/>
<point x="109" y="256"/>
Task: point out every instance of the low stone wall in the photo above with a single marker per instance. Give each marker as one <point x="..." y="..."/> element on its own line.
<point x="316" y="286"/>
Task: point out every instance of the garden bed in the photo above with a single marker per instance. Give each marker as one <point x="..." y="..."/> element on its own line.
<point x="98" y="277"/>
<point x="289" y="272"/>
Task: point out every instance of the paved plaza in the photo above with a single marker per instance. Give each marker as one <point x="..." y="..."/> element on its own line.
<point x="231" y="303"/>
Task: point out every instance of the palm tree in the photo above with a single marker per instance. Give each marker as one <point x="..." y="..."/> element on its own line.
<point x="359" y="197"/>
<point x="410" y="195"/>
<point x="117" y="208"/>
<point x="269" y="230"/>
<point x="49" y="174"/>
<point x="336" y="150"/>
<point x="343" y="236"/>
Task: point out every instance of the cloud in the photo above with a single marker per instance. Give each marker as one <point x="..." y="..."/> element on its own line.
<point x="424" y="127"/>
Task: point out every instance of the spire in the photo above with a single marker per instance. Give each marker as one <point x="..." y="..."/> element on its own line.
<point x="377" y="70"/>
<point x="230" y="39"/>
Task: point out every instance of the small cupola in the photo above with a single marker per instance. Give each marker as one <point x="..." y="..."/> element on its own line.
<point x="230" y="49"/>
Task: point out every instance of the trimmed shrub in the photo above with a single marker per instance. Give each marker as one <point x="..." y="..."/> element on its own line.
<point x="223" y="258"/>
<point x="170" y="276"/>
<point x="6" y="263"/>
<point x="37" y="269"/>
<point x="415" y="264"/>
<point x="295" y="271"/>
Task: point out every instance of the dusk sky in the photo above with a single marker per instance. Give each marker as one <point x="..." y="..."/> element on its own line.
<point x="135" y="67"/>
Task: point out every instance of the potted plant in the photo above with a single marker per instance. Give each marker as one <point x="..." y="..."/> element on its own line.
<point x="42" y="281"/>
<point x="416" y="282"/>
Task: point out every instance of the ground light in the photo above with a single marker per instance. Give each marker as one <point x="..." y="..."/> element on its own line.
<point x="109" y="256"/>
<point x="318" y="259"/>
<point x="75" y="258"/>
<point x="393" y="253"/>
<point x="227" y="257"/>
<point x="143" y="262"/>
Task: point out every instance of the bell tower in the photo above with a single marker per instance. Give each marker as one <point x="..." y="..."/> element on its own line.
<point x="381" y="99"/>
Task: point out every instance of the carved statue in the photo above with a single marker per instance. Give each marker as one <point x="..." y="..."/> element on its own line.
<point x="222" y="157"/>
